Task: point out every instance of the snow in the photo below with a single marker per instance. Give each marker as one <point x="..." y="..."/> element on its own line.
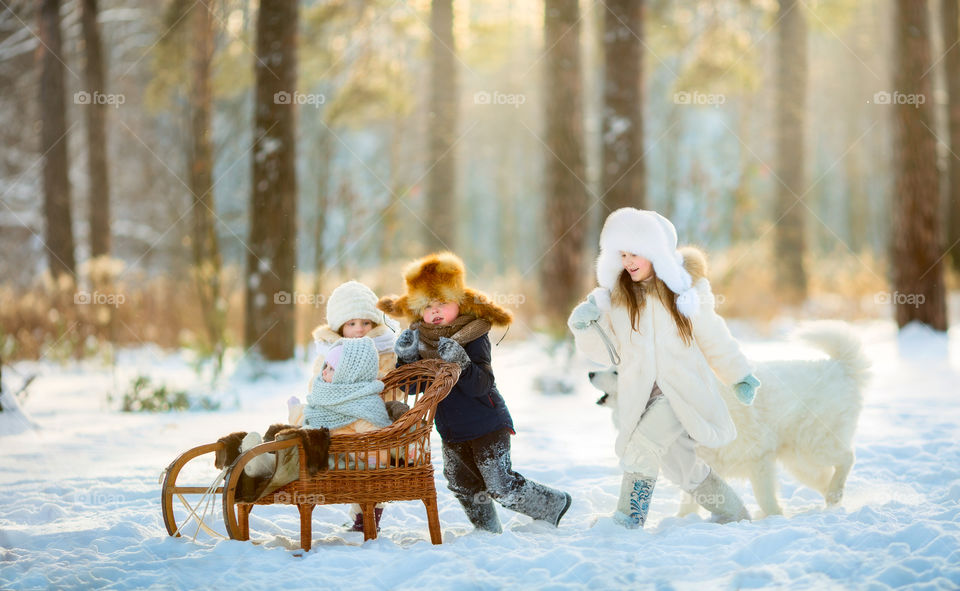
<point x="80" y="507"/>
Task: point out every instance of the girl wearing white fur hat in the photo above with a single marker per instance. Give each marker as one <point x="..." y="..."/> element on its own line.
<point x="655" y="309"/>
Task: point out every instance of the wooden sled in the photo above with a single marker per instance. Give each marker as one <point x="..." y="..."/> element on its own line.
<point x="421" y="385"/>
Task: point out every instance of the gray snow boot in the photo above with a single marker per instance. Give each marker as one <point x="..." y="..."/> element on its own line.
<point x="716" y="496"/>
<point x="482" y="513"/>
<point x="635" y="492"/>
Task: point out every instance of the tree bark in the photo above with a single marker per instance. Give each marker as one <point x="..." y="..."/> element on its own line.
<point x="271" y="256"/>
<point x="624" y="170"/>
<point x="442" y="125"/>
<point x="96" y="116"/>
<point x="207" y="260"/>
<point x="53" y="145"/>
<point x="917" y="249"/>
<point x="562" y="269"/>
<point x="790" y="241"/>
<point x="949" y="17"/>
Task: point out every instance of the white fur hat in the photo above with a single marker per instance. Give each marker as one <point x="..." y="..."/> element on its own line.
<point x="354" y="300"/>
<point x="652" y="236"/>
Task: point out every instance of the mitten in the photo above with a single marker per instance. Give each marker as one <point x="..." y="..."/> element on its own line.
<point x="450" y="350"/>
<point x="407" y="346"/>
<point x="585" y="313"/>
<point x="746" y="389"/>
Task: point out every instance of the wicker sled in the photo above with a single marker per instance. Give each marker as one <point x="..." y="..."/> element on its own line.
<point x="422" y="385"/>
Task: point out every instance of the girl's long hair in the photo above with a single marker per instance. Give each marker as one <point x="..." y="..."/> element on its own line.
<point x="634" y="296"/>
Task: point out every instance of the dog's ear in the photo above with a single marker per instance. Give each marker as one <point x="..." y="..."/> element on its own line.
<point x="603" y="399"/>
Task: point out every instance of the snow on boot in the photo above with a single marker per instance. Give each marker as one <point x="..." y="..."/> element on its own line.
<point x="482" y="513"/>
<point x="261" y="466"/>
<point x="634" y="504"/>
<point x="534" y="500"/>
<point x="716" y="496"/>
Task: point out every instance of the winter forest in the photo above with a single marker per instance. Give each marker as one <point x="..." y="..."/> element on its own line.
<point x="184" y="184"/>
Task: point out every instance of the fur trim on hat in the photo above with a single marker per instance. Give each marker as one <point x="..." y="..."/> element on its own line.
<point x="440" y="277"/>
<point x="652" y="236"/>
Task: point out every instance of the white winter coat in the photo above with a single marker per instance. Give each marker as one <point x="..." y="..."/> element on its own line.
<point x="687" y="375"/>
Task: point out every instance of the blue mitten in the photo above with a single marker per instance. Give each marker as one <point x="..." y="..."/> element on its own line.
<point x="585" y="313"/>
<point x="407" y="346"/>
<point x="450" y="350"/>
<point x="746" y="389"/>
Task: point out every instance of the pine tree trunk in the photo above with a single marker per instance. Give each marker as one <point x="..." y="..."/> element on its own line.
<point x="442" y="125"/>
<point x="949" y="17"/>
<point x="53" y="145"/>
<point x="271" y="256"/>
<point x="917" y="248"/>
<point x="96" y="114"/>
<point x="206" y="249"/>
<point x="562" y="269"/>
<point x="624" y="170"/>
<point x="790" y="242"/>
<point x="325" y="147"/>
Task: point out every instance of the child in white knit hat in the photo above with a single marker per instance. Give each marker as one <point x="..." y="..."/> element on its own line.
<point x="346" y="399"/>
<point x="351" y="313"/>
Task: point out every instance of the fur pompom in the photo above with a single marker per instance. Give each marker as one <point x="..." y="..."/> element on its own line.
<point x="688" y="302"/>
<point x="601" y="296"/>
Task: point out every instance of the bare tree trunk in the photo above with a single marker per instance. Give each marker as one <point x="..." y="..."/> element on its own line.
<point x="624" y="170"/>
<point x="206" y="250"/>
<point x="271" y="258"/>
<point x="790" y="242"/>
<point x="96" y="114"/>
<point x="325" y="144"/>
<point x="917" y="255"/>
<point x="391" y="219"/>
<point x="949" y="17"/>
<point x="56" y="182"/>
<point x="442" y="125"/>
<point x="562" y="270"/>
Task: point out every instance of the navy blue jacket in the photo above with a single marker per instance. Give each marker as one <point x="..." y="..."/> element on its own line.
<point x="473" y="407"/>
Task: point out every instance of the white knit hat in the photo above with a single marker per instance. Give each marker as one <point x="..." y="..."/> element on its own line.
<point x="652" y="236"/>
<point x="354" y="300"/>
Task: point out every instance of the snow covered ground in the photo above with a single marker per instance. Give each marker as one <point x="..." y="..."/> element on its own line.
<point x="80" y="495"/>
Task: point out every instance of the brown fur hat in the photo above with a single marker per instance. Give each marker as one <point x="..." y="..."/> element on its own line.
<point x="440" y="277"/>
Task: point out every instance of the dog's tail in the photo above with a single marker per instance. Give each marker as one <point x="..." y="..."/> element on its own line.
<point x="839" y="341"/>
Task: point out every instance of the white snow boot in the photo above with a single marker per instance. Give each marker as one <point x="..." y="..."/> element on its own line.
<point x="716" y="496"/>
<point x="635" y="492"/>
<point x="261" y="466"/>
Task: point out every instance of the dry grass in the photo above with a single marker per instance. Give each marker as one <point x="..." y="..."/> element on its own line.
<point x="48" y="320"/>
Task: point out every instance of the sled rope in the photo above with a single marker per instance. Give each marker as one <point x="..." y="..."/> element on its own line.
<point x="611" y="351"/>
<point x="208" y="497"/>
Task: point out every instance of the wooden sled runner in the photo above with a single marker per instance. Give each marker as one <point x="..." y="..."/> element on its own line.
<point x="349" y="479"/>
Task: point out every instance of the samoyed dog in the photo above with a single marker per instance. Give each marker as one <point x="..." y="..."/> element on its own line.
<point x="804" y="416"/>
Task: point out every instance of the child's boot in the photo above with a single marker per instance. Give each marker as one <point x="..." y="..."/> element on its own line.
<point x="358" y="519"/>
<point x="634" y="503"/>
<point x="482" y="514"/>
<point x="718" y="498"/>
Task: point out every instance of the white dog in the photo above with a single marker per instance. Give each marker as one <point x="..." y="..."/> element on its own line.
<point x="805" y="415"/>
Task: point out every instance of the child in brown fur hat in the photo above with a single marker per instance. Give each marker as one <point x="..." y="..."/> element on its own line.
<point x="451" y="321"/>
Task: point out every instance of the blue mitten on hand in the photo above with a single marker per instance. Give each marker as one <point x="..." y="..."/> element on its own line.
<point x="450" y="350"/>
<point x="746" y="389"/>
<point x="585" y="313"/>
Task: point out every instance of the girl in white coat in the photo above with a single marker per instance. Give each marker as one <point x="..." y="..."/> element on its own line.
<point x="655" y="309"/>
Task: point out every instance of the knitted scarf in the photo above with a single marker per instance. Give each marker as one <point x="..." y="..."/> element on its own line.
<point x="334" y="405"/>
<point x="463" y="329"/>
